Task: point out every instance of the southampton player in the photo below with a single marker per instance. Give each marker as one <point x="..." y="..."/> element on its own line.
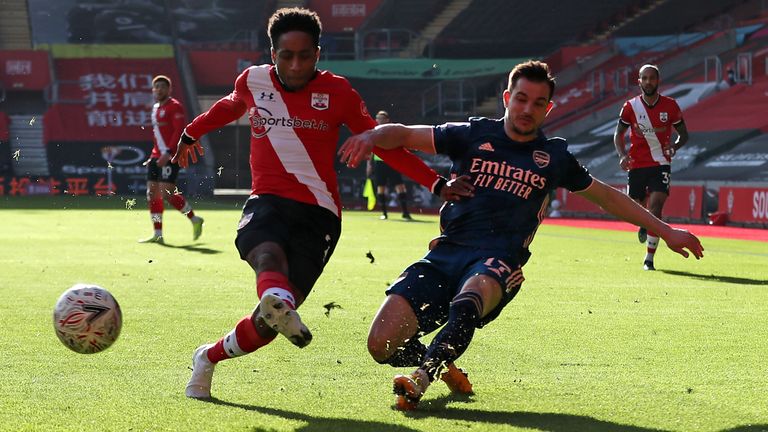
<point x="474" y="268"/>
<point x="167" y="124"/>
<point x="292" y="221"/>
<point x="650" y="118"/>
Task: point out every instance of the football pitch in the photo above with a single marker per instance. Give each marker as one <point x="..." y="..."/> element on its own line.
<point x="591" y="343"/>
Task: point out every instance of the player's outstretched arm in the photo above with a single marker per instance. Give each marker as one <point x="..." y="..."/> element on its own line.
<point x="358" y="148"/>
<point x="620" y="205"/>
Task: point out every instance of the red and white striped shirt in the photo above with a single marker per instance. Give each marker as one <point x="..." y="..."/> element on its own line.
<point x="167" y="125"/>
<point x="294" y="134"/>
<point x="650" y="129"/>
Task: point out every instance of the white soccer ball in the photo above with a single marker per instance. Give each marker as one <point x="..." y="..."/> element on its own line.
<point x="87" y="319"/>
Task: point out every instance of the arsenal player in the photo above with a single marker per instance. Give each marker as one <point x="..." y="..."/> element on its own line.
<point x="650" y="118"/>
<point x="167" y="124"/>
<point x="475" y="267"/>
<point x="292" y="221"/>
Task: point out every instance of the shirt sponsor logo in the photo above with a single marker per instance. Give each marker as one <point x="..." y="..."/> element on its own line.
<point x="541" y="158"/>
<point x="262" y="122"/>
<point x="321" y="101"/>
<point x="503" y="177"/>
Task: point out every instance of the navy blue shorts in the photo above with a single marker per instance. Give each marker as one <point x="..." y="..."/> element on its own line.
<point x="430" y="284"/>
<point x="642" y="181"/>
<point x="307" y="233"/>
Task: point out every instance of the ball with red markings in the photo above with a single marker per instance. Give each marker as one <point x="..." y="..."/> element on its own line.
<point x="87" y="319"/>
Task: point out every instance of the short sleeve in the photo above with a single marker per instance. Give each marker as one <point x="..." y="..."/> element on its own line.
<point x="451" y="139"/>
<point x="576" y="177"/>
<point x="677" y="116"/>
<point x="626" y="114"/>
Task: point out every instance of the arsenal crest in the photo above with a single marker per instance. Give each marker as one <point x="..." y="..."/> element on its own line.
<point x="663" y="117"/>
<point x="320" y="101"/>
<point x="541" y="158"/>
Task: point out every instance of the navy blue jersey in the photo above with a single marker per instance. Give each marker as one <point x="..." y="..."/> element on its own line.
<point x="512" y="183"/>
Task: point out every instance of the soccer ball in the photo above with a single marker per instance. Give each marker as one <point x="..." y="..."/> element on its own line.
<point x="87" y="319"/>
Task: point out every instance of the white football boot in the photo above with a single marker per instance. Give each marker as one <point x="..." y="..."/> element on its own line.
<point x="284" y="320"/>
<point x="199" y="385"/>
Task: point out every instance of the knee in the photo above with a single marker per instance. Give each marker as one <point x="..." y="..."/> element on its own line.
<point x="264" y="260"/>
<point x="379" y="348"/>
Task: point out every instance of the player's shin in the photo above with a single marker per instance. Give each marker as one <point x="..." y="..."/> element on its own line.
<point x="179" y="203"/>
<point x="156" y="213"/>
<point x="451" y="342"/>
<point x="242" y="340"/>
<point x="410" y="354"/>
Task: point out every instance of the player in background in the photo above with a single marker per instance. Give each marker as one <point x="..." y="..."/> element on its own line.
<point x="167" y="124"/>
<point x="474" y="268"/>
<point x="292" y="221"/>
<point x="384" y="175"/>
<point x="650" y="118"/>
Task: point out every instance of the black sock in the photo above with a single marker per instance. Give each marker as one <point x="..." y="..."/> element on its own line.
<point x="451" y="342"/>
<point x="383" y="200"/>
<point x="402" y="198"/>
<point x="410" y="354"/>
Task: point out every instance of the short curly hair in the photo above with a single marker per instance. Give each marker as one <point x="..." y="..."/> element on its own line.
<point x="294" y="19"/>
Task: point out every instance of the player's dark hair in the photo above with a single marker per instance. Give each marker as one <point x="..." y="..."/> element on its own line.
<point x="649" y="66"/>
<point x="161" y="78"/>
<point x="294" y="19"/>
<point x="534" y="71"/>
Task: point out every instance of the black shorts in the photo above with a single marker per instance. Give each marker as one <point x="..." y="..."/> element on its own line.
<point x="642" y="181"/>
<point x="430" y="284"/>
<point x="167" y="173"/>
<point x="307" y="233"/>
<point x="384" y="175"/>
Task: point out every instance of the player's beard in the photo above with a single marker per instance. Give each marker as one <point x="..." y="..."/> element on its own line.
<point x="522" y="132"/>
<point x="531" y="131"/>
<point x="650" y="93"/>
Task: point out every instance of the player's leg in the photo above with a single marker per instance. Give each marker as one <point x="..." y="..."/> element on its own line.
<point x="169" y="173"/>
<point x="402" y="198"/>
<point x="380" y="178"/>
<point x="155" y="204"/>
<point x="658" y="185"/>
<point x="392" y="337"/>
<point x="488" y="286"/>
<point x="416" y="304"/>
<point x="252" y="331"/>
<point x="263" y="233"/>
<point x="637" y="190"/>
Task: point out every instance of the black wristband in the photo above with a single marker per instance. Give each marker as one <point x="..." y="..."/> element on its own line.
<point x="186" y="139"/>
<point x="441" y="182"/>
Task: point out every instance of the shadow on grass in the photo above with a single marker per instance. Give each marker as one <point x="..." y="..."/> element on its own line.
<point x="193" y="248"/>
<point x="717" y="278"/>
<point x="317" y="424"/>
<point x="554" y="422"/>
<point x="549" y="422"/>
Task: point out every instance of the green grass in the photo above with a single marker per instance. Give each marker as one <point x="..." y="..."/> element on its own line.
<point x="591" y="343"/>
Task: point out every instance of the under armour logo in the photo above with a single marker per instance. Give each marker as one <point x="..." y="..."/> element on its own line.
<point x="265" y="95"/>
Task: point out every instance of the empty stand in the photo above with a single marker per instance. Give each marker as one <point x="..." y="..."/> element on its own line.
<point x="500" y="28"/>
<point x="676" y="16"/>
